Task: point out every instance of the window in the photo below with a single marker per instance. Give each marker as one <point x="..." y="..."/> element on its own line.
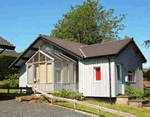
<point x="71" y="75"/>
<point x="58" y="72"/>
<point x="36" y="58"/>
<point x="98" y="73"/>
<point x="42" y="57"/>
<point x="30" y="74"/>
<point x="131" y="75"/>
<point x="65" y="73"/>
<point x="119" y="72"/>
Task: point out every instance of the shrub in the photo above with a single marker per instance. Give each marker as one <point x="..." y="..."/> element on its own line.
<point x="68" y="94"/>
<point x="134" y="92"/>
<point x="12" y="80"/>
<point x="146" y="92"/>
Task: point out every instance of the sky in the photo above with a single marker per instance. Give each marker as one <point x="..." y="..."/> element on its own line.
<point x="21" y="21"/>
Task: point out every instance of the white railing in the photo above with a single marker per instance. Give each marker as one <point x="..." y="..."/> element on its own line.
<point x="85" y="104"/>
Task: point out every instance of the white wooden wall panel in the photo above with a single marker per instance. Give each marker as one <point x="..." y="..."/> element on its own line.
<point x="87" y="84"/>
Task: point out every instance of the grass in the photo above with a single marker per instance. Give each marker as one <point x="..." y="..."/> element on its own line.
<point x="86" y="109"/>
<point x="139" y="112"/>
<point x="2" y="83"/>
<point x="12" y="93"/>
<point x="10" y="90"/>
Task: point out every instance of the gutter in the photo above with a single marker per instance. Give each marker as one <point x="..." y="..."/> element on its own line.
<point x="109" y="80"/>
<point x="2" y="51"/>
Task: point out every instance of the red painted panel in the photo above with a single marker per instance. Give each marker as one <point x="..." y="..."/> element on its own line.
<point x="98" y="74"/>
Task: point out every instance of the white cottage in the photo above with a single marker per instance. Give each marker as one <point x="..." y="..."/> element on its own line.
<point x="97" y="70"/>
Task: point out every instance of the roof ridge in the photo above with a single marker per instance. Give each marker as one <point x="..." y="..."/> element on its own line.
<point x="42" y="35"/>
<point x="110" y="41"/>
<point x="6" y="41"/>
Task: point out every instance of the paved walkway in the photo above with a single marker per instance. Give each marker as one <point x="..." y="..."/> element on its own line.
<point x="11" y="108"/>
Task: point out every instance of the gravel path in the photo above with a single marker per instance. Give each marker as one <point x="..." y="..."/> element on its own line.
<point x="11" y="108"/>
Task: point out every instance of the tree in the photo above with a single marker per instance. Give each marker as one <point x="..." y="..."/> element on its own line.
<point x="147" y="43"/>
<point x="89" y="23"/>
<point x="5" y="62"/>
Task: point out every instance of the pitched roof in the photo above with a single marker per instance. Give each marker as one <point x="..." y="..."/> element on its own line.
<point x="82" y="50"/>
<point x="147" y="73"/>
<point x="10" y="53"/>
<point x="102" y="49"/>
<point x="69" y="45"/>
<point x="145" y="69"/>
<point x="5" y="44"/>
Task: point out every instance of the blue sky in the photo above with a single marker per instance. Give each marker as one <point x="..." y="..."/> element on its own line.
<point x="21" y="21"/>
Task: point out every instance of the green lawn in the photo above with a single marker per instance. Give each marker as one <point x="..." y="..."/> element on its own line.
<point x="86" y="109"/>
<point x="136" y="111"/>
<point x="10" y="90"/>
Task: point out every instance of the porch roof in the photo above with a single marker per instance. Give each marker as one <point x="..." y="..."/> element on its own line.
<point x="53" y="56"/>
<point x="59" y="56"/>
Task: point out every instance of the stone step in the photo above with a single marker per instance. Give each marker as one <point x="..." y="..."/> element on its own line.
<point x="123" y="99"/>
<point x="138" y="103"/>
<point x="146" y="105"/>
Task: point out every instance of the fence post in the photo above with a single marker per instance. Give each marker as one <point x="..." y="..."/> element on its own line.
<point x="75" y="106"/>
<point x="34" y="91"/>
<point x="8" y="90"/>
<point x="51" y="101"/>
<point x="20" y="90"/>
<point x="99" y="112"/>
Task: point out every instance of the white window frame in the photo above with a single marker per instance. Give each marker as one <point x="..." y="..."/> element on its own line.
<point x="74" y="73"/>
<point x="94" y="70"/>
<point x="56" y="80"/>
<point x="120" y="70"/>
<point x="133" y="76"/>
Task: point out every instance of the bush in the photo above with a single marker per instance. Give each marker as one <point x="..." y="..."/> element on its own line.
<point x="69" y="94"/>
<point x="134" y="92"/>
<point x="146" y="92"/>
<point x="12" y="80"/>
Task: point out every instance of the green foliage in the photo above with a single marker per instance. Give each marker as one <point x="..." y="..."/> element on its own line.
<point x="12" y="80"/>
<point x="134" y="92"/>
<point x="68" y="94"/>
<point x="5" y="62"/>
<point x="89" y="23"/>
<point x="146" y="92"/>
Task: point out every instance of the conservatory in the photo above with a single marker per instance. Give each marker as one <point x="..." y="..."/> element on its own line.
<point x="49" y="71"/>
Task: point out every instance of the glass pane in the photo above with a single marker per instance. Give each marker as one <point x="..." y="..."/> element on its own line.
<point x="36" y="72"/>
<point x="48" y="59"/>
<point x="58" y="76"/>
<point x="30" y="74"/>
<point x="36" y="58"/>
<point x="58" y="72"/>
<point x="118" y="72"/>
<point x="75" y="80"/>
<point x="42" y="57"/>
<point x="30" y="61"/>
<point x="65" y="73"/>
<point x="42" y="73"/>
<point x="49" y="72"/>
<point x="71" y="78"/>
<point x="57" y="66"/>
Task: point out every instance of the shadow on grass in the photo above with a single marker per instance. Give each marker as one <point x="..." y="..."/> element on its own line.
<point x="10" y="96"/>
<point x="78" y="108"/>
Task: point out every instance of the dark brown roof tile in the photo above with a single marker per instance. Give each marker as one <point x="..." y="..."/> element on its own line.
<point x="102" y="49"/>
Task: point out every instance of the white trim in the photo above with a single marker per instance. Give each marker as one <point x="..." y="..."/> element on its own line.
<point x="61" y="57"/>
<point x="32" y="57"/>
<point x="68" y="58"/>
<point x="82" y="52"/>
<point x="46" y="55"/>
<point x="94" y="70"/>
<point x="120" y="80"/>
